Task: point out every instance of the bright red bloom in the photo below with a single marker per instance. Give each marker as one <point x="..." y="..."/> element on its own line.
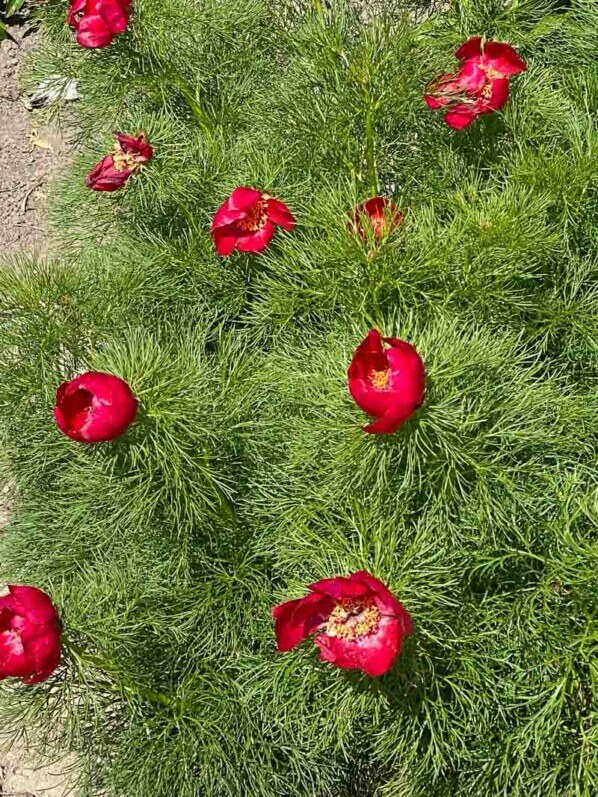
<point x="360" y="625"/>
<point x="94" y="407"/>
<point x="97" y="22"/>
<point x="247" y="220"/>
<point x="481" y="85"/>
<point x="29" y="635"/>
<point x="113" y="171"/>
<point x="378" y="215"/>
<point x="389" y="384"/>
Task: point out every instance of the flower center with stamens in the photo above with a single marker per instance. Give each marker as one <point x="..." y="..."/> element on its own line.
<point x="380" y="379"/>
<point x="353" y="619"/>
<point x="491" y="72"/>
<point x="124" y="161"/>
<point x="256" y="217"/>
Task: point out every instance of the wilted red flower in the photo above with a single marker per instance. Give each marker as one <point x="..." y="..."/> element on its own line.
<point x="247" y="220"/>
<point x="94" y="407"/>
<point x="389" y="384"/>
<point x="378" y="215"/>
<point x="29" y="635"/>
<point x="359" y="623"/>
<point x="114" y="171"/>
<point x="481" y="85"/>
<point x="97" y="22"/>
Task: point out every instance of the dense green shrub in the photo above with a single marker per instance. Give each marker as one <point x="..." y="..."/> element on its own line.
<point x="247" y="475"/>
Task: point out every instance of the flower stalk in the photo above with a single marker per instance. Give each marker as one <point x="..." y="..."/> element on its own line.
<point x="151" y="695"/>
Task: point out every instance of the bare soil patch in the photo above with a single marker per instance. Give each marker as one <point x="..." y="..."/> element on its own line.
<point x="31" y="153"/>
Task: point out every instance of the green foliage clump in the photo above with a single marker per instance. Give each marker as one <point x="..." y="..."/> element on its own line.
<point x="247" y="475"/>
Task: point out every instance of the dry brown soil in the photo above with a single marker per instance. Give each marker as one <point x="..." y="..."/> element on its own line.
<point x="30" y="155"/>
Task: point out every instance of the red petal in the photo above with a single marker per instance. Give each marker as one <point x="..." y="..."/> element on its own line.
<point x="396" y="415"/>
<point x="434" y="103"/>
<point x="369" y="398"/>
<point x="113" y="14"/>
<point x="339" y="588"/>
<point x="76" y="7"/>
<point x="369" y="356"/>
<point x="225" y="239"/>
<point x="243" y="198"/>
<point x="135" y="145"/>
<point x="503" y="58"/>
<point x="461" y="116"/>
<point x="279" y="213"/>
<point x="257" y="241"/>
<point x="14" y="661"/>
<point x="499" y="94"/>
<point x="93" y="32"/>
<point x="296" y="620"/>
<point x="44" y="653"/>
<point x="105" y="177"/>
<point x="471" y="79"/>
<point x="32" y="603"/>
<point x="469" y="49"/>
<point x="374" y="654"/>
<point x="386" y="601"/>
<point x="236" y="206"/>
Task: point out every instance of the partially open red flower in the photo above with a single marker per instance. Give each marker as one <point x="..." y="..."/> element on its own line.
<point x="377" y="215"/>
<point x="481" y="85"/>
<point x="113" y="171"/>
<point x="359" y="623"/>
<point x="97" y="22"/>
<point x="247" y="220"/>
<point x="94" y="407"/>
<point x="29" y="635"/>
<point x="387" y="383"/>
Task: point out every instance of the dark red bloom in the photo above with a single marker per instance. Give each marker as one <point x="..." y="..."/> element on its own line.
<point x="359" y="623"/>
<point x="387" y="383"/>
<point x="113" y="171"/>
<point x="94" y="407"/>
<point x="97" y="22"/>
<point x="480" y="86"/>
<point x="377" y="215"/>
<point x="247" y="220"/>
<point x="29" y="635"/>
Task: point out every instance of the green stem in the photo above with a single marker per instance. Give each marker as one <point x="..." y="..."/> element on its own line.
<point x="226" y="504"/>
<point x="198" y="112"/>
<point x="318" y="7"/>
<point x="370" y="148"/>
<point x="150" y="695"/>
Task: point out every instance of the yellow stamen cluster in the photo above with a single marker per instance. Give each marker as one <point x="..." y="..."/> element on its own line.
<point x="256" y="218"/>
<point x="353" y="619"/>
<point x="380" y="379"/>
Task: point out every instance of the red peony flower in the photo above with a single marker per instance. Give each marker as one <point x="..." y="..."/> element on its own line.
<point x="246" y="221"/>
<point x="378" y="215"/>
<point x="97" y="22"/>
<point x="359" y="623"/>
<point x="389" y="384"/>
<point x="94" y="407"/>
<point x="481" y="85"/>
<point x="113" y="171"/>
<point x="29" y="635"/>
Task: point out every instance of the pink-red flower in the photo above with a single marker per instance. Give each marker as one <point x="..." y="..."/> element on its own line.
<point x="113" y="171"/>
<point x="247" y="220"/>
<point x="97" y="22"/>
<point x="29" y="635"/>
<point x="388" y="383"/>
<point x="359" y="624"/>
<point x="94" y="407"/>
<point x="377" y="216"/>
<point x="480" y="86"/>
